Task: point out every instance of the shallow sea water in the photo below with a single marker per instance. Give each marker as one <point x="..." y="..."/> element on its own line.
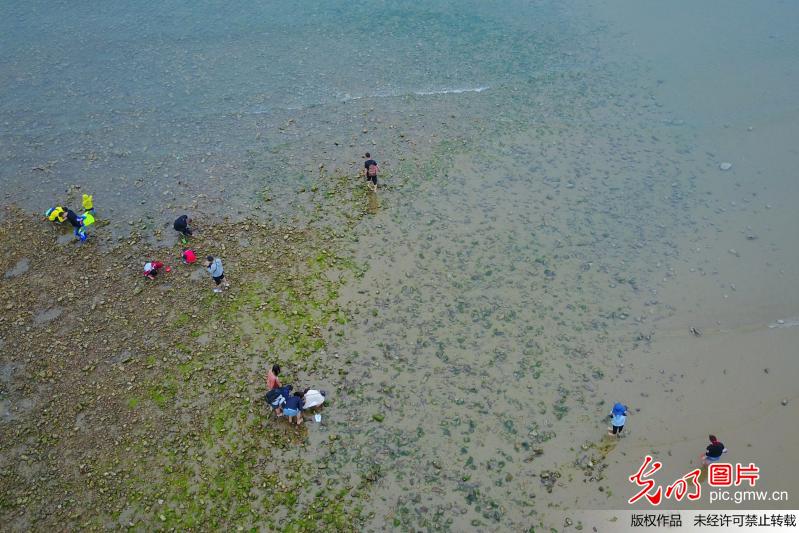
<point x="497" y="302"/>
<point x="207" y="106"/>
<point x="557" y="269"/>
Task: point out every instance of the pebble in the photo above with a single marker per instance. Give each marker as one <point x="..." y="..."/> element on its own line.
<point x="725" y="166"/>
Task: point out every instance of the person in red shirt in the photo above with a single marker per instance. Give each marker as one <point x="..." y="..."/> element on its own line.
<point x="714" y="451"/>
<point x="189" y="257"/>
<point x="370" y="170"/>
<point x="151" y="268"/>
<point x="272" y="380"/>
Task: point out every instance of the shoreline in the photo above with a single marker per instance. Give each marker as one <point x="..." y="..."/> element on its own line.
<point x="115" y="381"/>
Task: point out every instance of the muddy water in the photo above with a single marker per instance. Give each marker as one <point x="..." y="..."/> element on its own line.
<point x="735" y="276"/>
<point x="498" y="300"/>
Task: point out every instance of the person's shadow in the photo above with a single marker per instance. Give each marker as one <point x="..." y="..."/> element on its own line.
<point x="373" y="203"/>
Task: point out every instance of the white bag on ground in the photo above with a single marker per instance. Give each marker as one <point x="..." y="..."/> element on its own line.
<point x="313" y="398"/>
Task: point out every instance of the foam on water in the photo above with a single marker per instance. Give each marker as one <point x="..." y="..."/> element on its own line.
<point x="431" y="92"/>
<point x="785" y="323"/>
<point x="261" y="110"/>
<point x="452" y="91"/>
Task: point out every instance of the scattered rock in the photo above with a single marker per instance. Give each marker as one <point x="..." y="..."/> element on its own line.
<point x="549" y="478"/>
<point x="725" y="166"/>
<point x="47" y="315"/>
<point x="20" y="268"/>
<point x="121" y="358"/>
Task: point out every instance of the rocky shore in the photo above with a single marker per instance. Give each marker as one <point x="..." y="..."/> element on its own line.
<point x="136" y="402"/>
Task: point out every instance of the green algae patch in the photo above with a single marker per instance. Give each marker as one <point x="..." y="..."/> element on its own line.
<point x="167" y="401"/>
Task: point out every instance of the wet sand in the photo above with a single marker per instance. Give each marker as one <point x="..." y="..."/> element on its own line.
<point x="729" y="382"/>
<point x="496" y="304"/>
<point x="695" y="245"/>
<point x="737" y="270"/>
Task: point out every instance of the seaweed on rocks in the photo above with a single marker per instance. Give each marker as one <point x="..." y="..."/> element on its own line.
<point x="137" y="402"/>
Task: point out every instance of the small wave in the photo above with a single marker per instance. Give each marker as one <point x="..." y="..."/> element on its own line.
<point x="452" y="91"/>
<point x="434" y="92"/>
<point x="787" y="323"/>
<point x="261" y="110"/>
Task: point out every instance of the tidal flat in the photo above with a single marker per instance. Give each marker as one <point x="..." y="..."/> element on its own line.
<point x="556" y="214"/>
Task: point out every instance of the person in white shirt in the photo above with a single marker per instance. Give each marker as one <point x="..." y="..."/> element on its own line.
<point x="214" y="266"/>
<point x="618" y="416"/>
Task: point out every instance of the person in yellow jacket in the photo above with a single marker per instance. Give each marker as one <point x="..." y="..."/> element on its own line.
<point x="88" y="203"/>
<point x="79" y="222"/>
<point x="56" y="214"/>
<point x="85" y="220"/>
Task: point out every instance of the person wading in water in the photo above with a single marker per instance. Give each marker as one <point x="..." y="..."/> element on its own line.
<point x="370" y="170"/>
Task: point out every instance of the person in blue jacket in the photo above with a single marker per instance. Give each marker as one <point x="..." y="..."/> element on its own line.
<point x="276" y="398"/>
<point x="618" y="416"/>
<point x="293" y="407"/>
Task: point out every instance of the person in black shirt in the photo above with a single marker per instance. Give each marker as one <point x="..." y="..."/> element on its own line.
<point x="370" y="170"/>
<point x="182" y="225"/>
<point x="73" y="219"/>
<point x="714" y="451"/>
